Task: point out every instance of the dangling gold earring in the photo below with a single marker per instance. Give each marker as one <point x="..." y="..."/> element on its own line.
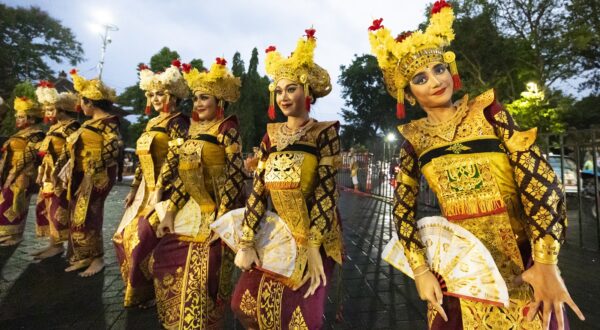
<point x="411" y="100"/>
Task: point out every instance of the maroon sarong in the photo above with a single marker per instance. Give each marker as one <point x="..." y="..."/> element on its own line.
<point x="260" y="301"/>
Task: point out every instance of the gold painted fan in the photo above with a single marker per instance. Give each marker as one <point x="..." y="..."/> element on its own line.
<point x="274" y="243"/>
<point x="462" y="263"/>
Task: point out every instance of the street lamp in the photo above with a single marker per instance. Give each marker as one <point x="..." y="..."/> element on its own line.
<point x="391" y="137"/>
<point x="103" y="27"/>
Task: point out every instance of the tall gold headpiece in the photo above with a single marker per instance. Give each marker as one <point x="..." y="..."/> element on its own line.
<point x="399" y="58"/>
<point x="170" y="81"/>
<point x="27" y="106"/>
<point x="299" y="67"/>
<point x="93" y="89"/>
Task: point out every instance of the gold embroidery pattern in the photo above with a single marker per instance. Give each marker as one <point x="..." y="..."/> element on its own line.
<point x="248" y="304"/>
<point x="459" y="178"/>
<point x="196" y="305"/>
<point x="297" y="322"/>
<point x="168" y="296"/>
<point x="457" y="148"/>
<point x="270" y="294"/>
<point x="284" y="170"/>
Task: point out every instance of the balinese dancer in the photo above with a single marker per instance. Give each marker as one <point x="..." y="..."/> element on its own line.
<point x="89" y="173"/>
<point x="298" y="162"/>
<point x="191" y="267"/>
<point x="135" y="237"/>
<point x="18" y="169"/>
<point x="488" y="176"/>
<point x="52" y="210"/>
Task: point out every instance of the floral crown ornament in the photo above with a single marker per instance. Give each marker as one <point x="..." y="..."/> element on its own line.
<point x="47" y="94"/>
<point x="218" y="81"/>
<point x="299" y="67"/>
<point x="170" y="81"/>
<point x="27" y="106"/>
<point x="399" y="58"/>
<point x="93" y="89"/>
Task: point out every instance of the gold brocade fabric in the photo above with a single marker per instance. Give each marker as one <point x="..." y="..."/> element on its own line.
<point x="299" y="175"/>
<point x="476" y="189"/>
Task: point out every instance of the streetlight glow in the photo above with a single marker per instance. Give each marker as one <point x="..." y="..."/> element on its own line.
<point x="391" y="137"/>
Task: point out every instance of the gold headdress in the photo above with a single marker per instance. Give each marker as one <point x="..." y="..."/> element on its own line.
<point x="26" y="106"/>
<point x="171" y="81"/>
<point x="299" y="67"/>
<point x="93" y="89"/>
<point x="48" y="95"/>
<point x="218" y="81"/>
<point x="399" y="58"/>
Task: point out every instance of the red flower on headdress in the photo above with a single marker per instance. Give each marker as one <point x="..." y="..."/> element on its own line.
<point x="45" y="83"/>
<point x="186" y="67"/>
<point x="73" y="71"/>
<point x="176" y="63"/>
<point x="310" y="33"/>
<point x="142" y="67"/>
<point x="438" y="5"/>
<point x="403" y="36"/>
<point x="376" y="25"/>
<point x="270" y="49"/>
<point x="221" y="61"/>
<point x="24" y="98"/>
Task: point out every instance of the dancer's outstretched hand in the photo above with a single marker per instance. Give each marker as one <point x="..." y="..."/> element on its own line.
<point x="167" y="225"/>
<point x="429" y="289"/>
<point x="549" y="291"/>
<point x="315" y="272"/>
<point x="245" y="257"/>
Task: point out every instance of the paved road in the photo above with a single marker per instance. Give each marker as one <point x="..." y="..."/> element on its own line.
<point x="376" y="296"/>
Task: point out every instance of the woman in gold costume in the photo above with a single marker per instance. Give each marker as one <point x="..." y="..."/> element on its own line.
<point x="88" y="169"/>
<point x="488" y="176"/>
<point x="191" y="268"/>
<point x="135" y="237"/>
<point x="52" y="209"/>
<point x="18" y="170"/>
<point x="298" y="161"/>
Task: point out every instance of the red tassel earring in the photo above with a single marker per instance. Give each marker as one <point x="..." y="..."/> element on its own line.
<point x="271" y="111"/>
<point x="400" y="111"/>
<point x="167" y="101"/>
<point x="307" y="101"/>
<point x="195" y="116"/>
<point x="220" y="110"/>
<point x="307" y="98"/>
<point x="147" y="109"/>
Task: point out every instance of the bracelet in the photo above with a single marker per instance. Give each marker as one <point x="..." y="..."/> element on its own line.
<point x="421" y="273"/>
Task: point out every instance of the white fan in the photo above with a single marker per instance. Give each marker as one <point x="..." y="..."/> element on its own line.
<point x="455" y="254"/>
<point x="274" y="243"/>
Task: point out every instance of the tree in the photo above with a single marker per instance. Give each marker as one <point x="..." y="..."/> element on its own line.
<point x="584" y="113"/>
<point x="29" y="40"/>
<point x="254" y="100"/>
<point x="533" y="109"/>
<point x="584" y="34"/>
<point x="370" y="111"/>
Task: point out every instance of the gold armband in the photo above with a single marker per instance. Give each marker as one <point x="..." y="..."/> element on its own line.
<point x="416" y="258"/>
<point x="403" y="178"/>
<point x="545" y="250"/>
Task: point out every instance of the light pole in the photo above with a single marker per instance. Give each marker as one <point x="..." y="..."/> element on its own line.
<point x="105" y="41"/>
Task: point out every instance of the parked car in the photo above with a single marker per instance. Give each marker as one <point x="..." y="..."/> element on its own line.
<point x="571" y="172"/>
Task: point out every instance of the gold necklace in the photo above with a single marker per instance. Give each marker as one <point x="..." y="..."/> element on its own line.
<point x="203" y="126"/>
<point x="287" y="136"/>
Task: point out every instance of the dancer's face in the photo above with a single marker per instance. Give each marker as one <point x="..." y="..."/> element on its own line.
<point x="158" y="98"/>
<point x="290" y="98"/>
<point x="49" y="113"/>
<point x="87" y="107"/>
<point x="205" y="106"/>
<point x="21" y="121"/>
<point x="432" y="86"/>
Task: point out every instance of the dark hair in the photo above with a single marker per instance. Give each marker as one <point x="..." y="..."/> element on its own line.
<point x="36" y="120"/>
<point x="313" y="97"/>
<point x="104" y="105"/>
